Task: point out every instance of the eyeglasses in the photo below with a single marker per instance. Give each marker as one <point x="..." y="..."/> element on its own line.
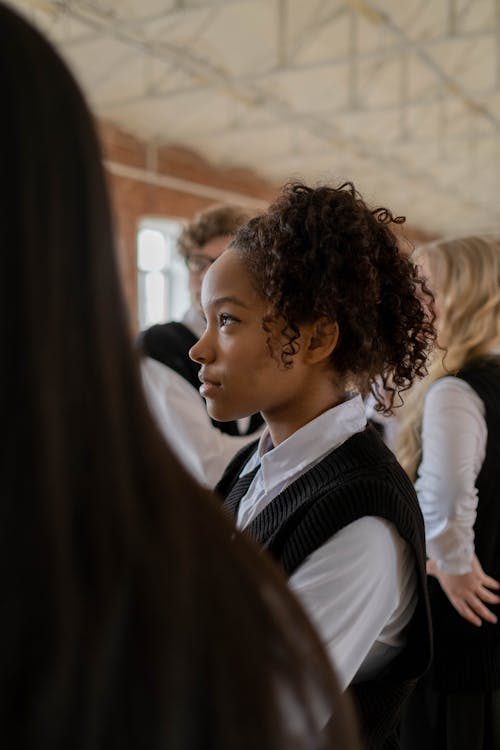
<point x="198" y="263"/>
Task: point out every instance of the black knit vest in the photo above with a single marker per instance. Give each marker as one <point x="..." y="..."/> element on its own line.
<point x="359" y="478"/>
<point x="467" y="658"/>
<point x="169" y="343"/>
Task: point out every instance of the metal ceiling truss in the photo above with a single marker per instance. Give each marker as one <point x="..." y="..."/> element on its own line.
<point x="256" y="91"/>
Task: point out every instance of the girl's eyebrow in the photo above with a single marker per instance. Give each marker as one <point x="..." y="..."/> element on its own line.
<point x="217" y="301"/>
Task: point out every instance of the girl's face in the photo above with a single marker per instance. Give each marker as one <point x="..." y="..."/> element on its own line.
<point x="239" y="374"/>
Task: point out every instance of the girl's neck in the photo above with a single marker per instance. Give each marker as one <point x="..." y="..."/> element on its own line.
<point x="283" y="424"/>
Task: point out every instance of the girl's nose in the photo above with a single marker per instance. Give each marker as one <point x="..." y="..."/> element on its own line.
<point x="200" y="352"/>
<point x="195" y="355"/>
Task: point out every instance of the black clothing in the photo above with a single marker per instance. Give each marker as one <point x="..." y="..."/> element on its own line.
<point x="467" y="658"/>
<point x="457" y="705"/>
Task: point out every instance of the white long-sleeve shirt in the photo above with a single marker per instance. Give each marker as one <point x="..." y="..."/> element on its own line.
<point x="360" y="587"/>
<point x="454" y="436"/>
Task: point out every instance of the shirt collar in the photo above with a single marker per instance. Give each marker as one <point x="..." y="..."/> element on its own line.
<point x="309" y="444"/>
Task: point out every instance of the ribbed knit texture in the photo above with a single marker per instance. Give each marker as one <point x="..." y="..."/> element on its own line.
<point x="169" y="343"/>
<point x="359" y="478"/>
<point x="239" y="490"/>
<point x="467" y="658"/>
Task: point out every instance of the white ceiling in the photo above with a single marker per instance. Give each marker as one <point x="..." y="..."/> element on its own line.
<point x="401" y="96"/>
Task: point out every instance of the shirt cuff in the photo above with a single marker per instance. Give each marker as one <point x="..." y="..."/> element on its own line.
<point x="456" y="566"/>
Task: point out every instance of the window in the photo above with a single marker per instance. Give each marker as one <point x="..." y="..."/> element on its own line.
<point x="162" y="276"/>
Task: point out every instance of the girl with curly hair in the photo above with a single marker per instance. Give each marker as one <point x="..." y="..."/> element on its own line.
<point x="311" y="307"/>
<point x="449" y="442"/>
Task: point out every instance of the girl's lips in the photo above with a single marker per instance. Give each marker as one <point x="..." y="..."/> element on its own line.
<point x="207" y="388"/>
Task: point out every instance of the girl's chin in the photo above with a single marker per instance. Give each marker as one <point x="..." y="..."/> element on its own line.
<point x="221" y="415"/>
<point x="216" y="413"/>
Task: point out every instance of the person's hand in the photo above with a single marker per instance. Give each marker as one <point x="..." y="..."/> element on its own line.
<point x="468" y="592"/>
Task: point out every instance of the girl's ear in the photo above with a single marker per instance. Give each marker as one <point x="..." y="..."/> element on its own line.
<point x="323" y="338"/>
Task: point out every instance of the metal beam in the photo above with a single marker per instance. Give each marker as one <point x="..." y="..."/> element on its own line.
<point x="391" y="147"/>
<point x="119" y="64"/>
<point x="180" y="8"/>
<point x="462" y="12"/>
<point x="166" y="95"/>
<point x="449" y="82"/>
<point x="377" y="55"/>
<point x="319" y="20"/>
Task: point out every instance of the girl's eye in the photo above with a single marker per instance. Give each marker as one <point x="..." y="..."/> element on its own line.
<point x="225" y="319"/>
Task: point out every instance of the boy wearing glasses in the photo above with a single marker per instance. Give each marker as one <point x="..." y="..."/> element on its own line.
<point x="170" y="378"/>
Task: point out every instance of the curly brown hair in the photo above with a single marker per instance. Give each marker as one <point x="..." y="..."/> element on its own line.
<point x="216" y="221"/>
<point x="323" y="253"/>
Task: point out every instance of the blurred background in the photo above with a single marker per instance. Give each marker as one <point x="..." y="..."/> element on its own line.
<point x="204" y="101"/>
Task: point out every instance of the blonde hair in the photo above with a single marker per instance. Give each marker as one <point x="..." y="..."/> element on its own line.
<point x="465" y="277"/>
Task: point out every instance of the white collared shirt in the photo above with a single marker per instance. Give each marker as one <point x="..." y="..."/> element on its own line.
<point x="282" y="465"/>
<point x="360" y="587"/>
